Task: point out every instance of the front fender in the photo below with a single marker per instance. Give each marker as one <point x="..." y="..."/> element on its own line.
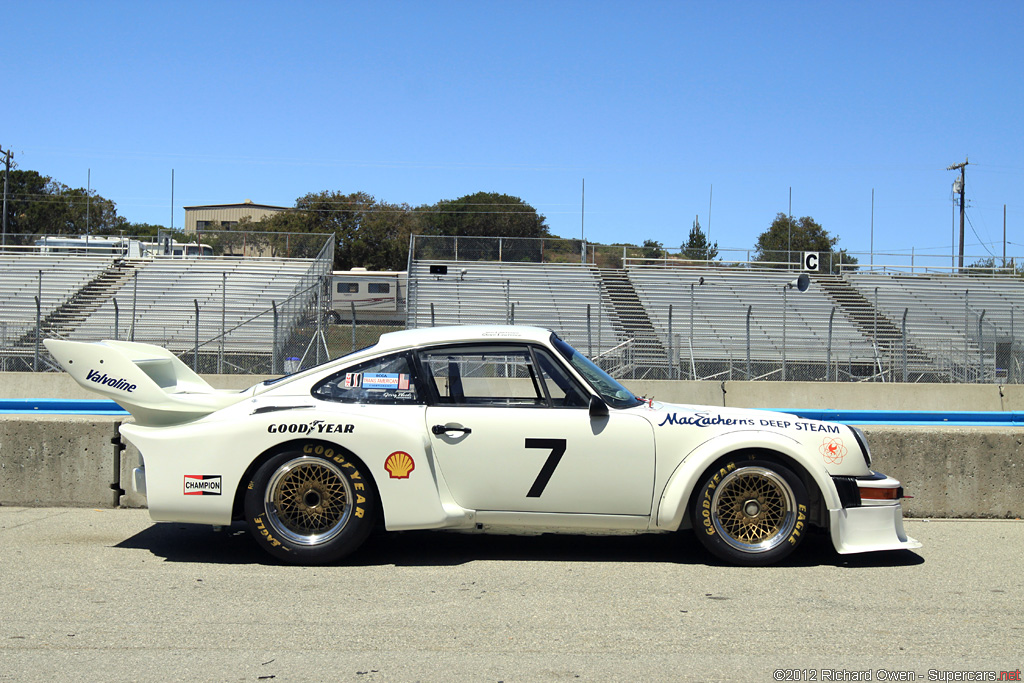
<point x="684" y="479"/>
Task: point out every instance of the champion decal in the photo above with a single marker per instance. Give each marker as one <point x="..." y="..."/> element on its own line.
<point x="203" y="485"/>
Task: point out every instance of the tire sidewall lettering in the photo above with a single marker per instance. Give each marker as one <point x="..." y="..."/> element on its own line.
<point x="706" y="514"/>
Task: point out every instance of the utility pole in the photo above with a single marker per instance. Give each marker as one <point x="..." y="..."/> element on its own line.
<point x="963" y="184"/>
<point x="7" y="155"/>
<point x="583" y="218"/>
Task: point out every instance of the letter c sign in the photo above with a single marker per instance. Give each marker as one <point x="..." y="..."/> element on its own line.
<point x="811" y="261"/>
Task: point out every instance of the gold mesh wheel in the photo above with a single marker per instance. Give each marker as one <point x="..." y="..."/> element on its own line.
<point x="753" y="509"/>
<point x="308" y="500"/>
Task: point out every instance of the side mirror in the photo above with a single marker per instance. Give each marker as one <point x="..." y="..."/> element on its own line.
<point x="598" y="408"/>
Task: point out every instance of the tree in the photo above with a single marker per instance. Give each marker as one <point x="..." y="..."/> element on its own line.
<point x="696" y="247"/>
<point x="781" y="245"/>
<point x="653" y="249"/>
<point x="368" y="233"/>
<point x="39" y="205"/>
<point x="484" y="214"/>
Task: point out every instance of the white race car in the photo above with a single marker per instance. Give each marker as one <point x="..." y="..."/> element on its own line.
<point x="491" y="429"/>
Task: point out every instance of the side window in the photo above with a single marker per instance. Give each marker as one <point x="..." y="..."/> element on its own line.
<point x="379" y="287"/>
<point x="563" y="390"/>
<point x="506" y="376"/>
<point x="385" y="380"/>
<point x="348" y="288"/>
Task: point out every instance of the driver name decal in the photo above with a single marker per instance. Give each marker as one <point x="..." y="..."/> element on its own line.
<point x="202" y="485"/>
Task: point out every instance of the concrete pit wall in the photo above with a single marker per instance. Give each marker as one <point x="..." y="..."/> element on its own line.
<point x="52" y="460"/>
<point x="951" y="471"/>
<point x="59" y="460"/>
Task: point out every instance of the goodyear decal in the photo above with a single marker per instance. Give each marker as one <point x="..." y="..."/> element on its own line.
<point x="314" y="427"/>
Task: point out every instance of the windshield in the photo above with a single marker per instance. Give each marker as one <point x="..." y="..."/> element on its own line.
<point x="613" y="393"/>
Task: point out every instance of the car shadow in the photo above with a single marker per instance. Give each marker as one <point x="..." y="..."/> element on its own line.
<point x="175" y="542"/>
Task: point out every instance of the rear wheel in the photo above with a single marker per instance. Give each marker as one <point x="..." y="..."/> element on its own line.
<point x="750" y="512"/>
<point x="310" y="505"/>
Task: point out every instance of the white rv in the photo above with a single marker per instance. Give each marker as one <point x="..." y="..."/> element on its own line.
<point x="374" y="295"/>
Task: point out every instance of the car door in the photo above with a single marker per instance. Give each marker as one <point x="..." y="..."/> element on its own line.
<point x="511" y="430"/>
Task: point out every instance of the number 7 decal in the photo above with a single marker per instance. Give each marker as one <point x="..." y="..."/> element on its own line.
<point x="557" y="447"/>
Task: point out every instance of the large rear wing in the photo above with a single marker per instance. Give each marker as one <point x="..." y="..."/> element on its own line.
<point x="149" y="382"/>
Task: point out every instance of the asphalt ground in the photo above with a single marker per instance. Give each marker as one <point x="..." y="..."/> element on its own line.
<point x="107" y="595"/>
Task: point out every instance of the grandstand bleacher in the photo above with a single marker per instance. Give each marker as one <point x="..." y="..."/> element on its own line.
<point x="840" y="329"/>
<point x="153" y="300"/>
<point x="634" y="319"/>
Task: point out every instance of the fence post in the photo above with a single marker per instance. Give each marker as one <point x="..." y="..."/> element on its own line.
<point x="967" y="294"/>
<point x="432" y="314"/>
<point x="273" y="353"/>
<point x="513" y="305"/>
<point x="784" y="301"/>
<point x="981" y="348"/>
<point x="590" y="346"/>
<point x="693" y="365"/>
<point x="905" y="375"/>
<point x="828" y="350"/>
<point x="35" y="357"/>
<point x="320" y="338"/>
<point x="223" y="321"/>
<point x="117" y="319"/>
<point x="135" y="301"/>
<point x="195" y="352"/>
<point x="1012" y="370"/>
<point x="353" y="305"/>
<point x="749" y="309"/>
<point x="671" y="355"/>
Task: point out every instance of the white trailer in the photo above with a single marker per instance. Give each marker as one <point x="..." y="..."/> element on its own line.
<point x="374" y="295"/>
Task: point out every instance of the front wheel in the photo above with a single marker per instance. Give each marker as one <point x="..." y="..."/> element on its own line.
<point x="750" y="512"/>
<point x="310" y="506"/>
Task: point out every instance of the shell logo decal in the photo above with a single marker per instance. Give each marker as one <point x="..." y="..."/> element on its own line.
<point x="832" y="450"/>
<point x="399" y="464"/>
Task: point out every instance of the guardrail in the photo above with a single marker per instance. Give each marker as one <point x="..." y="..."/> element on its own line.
<point x="946" y="418"/>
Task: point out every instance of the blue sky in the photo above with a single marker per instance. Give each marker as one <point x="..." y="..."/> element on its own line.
<point x="652" y="103"/>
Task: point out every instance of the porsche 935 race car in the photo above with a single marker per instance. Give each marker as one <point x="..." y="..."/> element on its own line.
<point x="490" y="429"/>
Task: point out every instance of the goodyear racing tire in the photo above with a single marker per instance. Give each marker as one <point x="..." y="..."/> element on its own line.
<point x="310" y="505"/>
<point x="750" y="511"/>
